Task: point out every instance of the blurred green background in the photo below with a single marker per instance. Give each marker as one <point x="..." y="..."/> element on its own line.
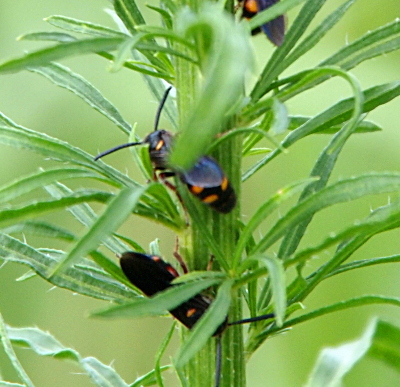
<point x="131" y="345"/>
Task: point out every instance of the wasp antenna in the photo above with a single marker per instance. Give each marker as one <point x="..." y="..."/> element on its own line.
<point x="253" y="319"/>
<point x="160" y="107"/>
<point x="218" y="359"/>
<point x="112" y="150"/>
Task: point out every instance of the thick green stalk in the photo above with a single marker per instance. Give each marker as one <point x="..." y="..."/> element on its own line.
<point x="225" y="232"/>
<point x="200" y="372"/>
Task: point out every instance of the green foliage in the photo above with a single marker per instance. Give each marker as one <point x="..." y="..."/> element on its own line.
<point x="380" y="340"/>
<point x="254" y="263"/>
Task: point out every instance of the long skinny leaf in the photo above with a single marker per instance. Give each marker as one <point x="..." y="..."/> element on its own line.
<point x="102" y="375"/>
<point x="81" y="26"/>
<point x="254" y="342"/>
<point x="27" y="184"/>
<point x="262" y="213"/>
<point x="274" y="66"/>
<point x="206" y="326"/>
<point x="315" y="36"/>
<point x="85" y="279"/>
<point x="225" y="61"/>
<point x="338" y="113"/>
<point x="160" y="303"/>
<point x="352" y="54"/>
<point x="115" y="214"/>
<point x="273" y="12"/>
<point x="44" y="344"/>
<point x="36" y="208"/>
<point x="378" y="219"/>
<point x="44" y="56"/>
<point x="278" y="284"/>
<point x="64" y="77"/>
<point x="379" y="338"/>
<point x="342" y="191"/>
<point x="8" y="349"/>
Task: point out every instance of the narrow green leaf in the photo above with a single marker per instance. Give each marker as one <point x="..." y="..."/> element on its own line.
<point x="315" y="36"/>
<point x="280" y="120"/>
<point x="258" y="151"/>
<point x="278" y="284"/>
<point x="166" y="16"/>
<point x="42" y="343"/>
<point x="44" y="56"/>
<point x="36" y="208"/>
<point x="8" y="123"/>
<point x="9" y="384"/>
<point x="9" y="351"/>
<point x="85" y="279"/>
<point x="165" y="203"/>
<point x="160" y="353"/>
<point x="100" y="374"/>
<point x="378" y="220"/>
<point x="225" y="60"/>
<point x="139" y="66"/>
<point x="206" y="326"/>
<point x="379" y="338"/>
<point x="362" y="127"/>
<point x="236" y="132"/>
<point x="133" y="244"/>
<point x="170" y="5"/>
<point x="108" y="266"/>
<point x="274" y="66"/>
<point x="338" y="113"/>
<point x="323" y="169"/>
<point x="19" y="137"/>
<point x="160" y="303"/>
<point x="342" y="191"/>
<point x="82" y="27"/>
<point x="385" y="344"/>
<point x="199" y="275"/>
<point x="170" y="36"/>
<point x="262" y="213"/>
<point x="384" y="48"/>
<point x="64" y="77"/>
<point x="58" y="37"/>
<point x="84" y="214"/>
<point x="115" y="214"/>
<point x="40" y="228"/>
<point x="254" y="342"/>
<point x="347" y="248"/>
<point x="273" y="12"/>
<point x="129" y="13"/>
<point x="351" y="54"/>
<point x="148" y="379"/>
<point x="124" y="52"/>
<point x="363" y="49"/>
<point x="364" y="263"/>
<point x="29" y="183"/>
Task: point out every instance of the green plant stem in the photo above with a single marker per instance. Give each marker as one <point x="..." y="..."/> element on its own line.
<point x="200" y="371"/>
<point x="225" y="232"/>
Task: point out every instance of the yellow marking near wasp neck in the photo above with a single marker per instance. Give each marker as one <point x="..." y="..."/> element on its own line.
<point x="196" y="190"/>
<point x="191" y="312"/>
<point x="210" y="199"/>
<point x="251" y="6"/>
<point x="159" y="145"/>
